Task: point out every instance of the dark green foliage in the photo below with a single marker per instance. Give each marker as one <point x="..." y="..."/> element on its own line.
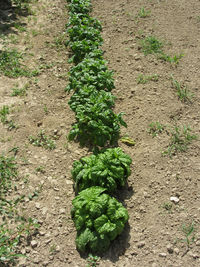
<point x="96" y="124"/>
<point x="88" y="95"/>
<point x="98" y="218"/>
<point x="80" y="6"/>
<point x="82" y="48"/>
<point x="84" y="32"/>
<point x="91" y="72"/>
<point x="83" y="19"/>
<point x="109" y="169"/>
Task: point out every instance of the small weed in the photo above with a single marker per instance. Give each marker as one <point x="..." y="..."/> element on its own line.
<point x="52" y="249"/>
<point x="143" y="13"/>
<point x="3" y="115"/>
<point x="151" y="45"/>
<point x="15" y="150"/>
<point x="167" y="206"/>
<point x="19" y="27"/>
<point x="41" y="140"/>
<point x="8" y="171"/>
<point x="16" y="91"/>
<point x="183" y="93"/>
<point x="40" y="169"/>
<point x="175" y="59"/>
<point x="92" y="261"/>
<point x="46" y="111"/>
<point x="188" y="231"/>
<point x="142" y="79"/>
<point x="180" y="139"/>
<point x="60" y="41"/>
<point x="35" y="33"/>
<point x="11" y="66"/>
<point x="155" y="128"/>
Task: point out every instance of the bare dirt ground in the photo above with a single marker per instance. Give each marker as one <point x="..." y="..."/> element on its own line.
<point x="157" y="234"/>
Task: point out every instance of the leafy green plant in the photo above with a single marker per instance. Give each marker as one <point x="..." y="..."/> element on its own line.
<point x="142" y="79"/>
<point x="180" y="139"/>
<point x="10" y="239"/>
<point x="84" y="32"/>
<point x="108" y="169"/>
<point x="151" y="45"/>
<point x="82" y="48"/>
<point x="143" y="13"/>
<point x="11" y="66"/>
<point x="83" y="19"/>
<point x="8" y="172"/>
<point x="98" y="218"/>
<point x="96" y="123"/>
<point x="16" y="91"/>
<point x="42" y="140"/>
<point x="155" y="128"/>
<point x="8" y="244"/>
<point x="92" y="261"/>
<point x="183" y="93"/>
<point x="188" y="231"/>
<point x="4" y="119"/>
<point x="79" y="6"/>
<point x="88" y="95"/>
<point x="3" y="113"/>
<point x="91" y="72"/>
<point x="174" y="59"/>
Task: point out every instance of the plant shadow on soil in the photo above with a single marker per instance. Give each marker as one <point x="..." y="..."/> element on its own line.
<point x="8" y="18"/>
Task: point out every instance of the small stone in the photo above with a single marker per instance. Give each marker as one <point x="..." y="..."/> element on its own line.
<point x="141" y="244"/>
<point x="36" y="260"/>
<point x="44" y="210"/>
<point x="56" y="189"/>
<point x="45" y="263"/>
<point x="176" y="250"/>
<point x="34" y="243"/>
<point x="174" y="199"/>
<point x="62" y="211"/>
<point x="198" y="243"/>
<point x="41" y="233"/>
<point x="170" y="248"/>
<point x="48" y="241"/>
<point x="69" y="182"/>
<point x="57" y="248"/>
<point x="136" y="57"/>
<point x="162" y="255"/>
<point x="37" y="205"/>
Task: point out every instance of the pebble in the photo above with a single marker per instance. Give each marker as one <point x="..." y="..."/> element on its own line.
<point x="37" y="205"/>
<point x="36" y="260"/>
<point x="198" y="243"/>
<point x="141" y="244"/>
<point x="62" y="211"/>
<point x="48" y="241"/>
<point x="174" y="199"/>
<point x="69" y="182"/>
<point x="170" y="248"/>
<point x="176" y="250"/>
<point x="34" y="243"/>
<point x="162" y="255"/>
<point x="41" y="233"/>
